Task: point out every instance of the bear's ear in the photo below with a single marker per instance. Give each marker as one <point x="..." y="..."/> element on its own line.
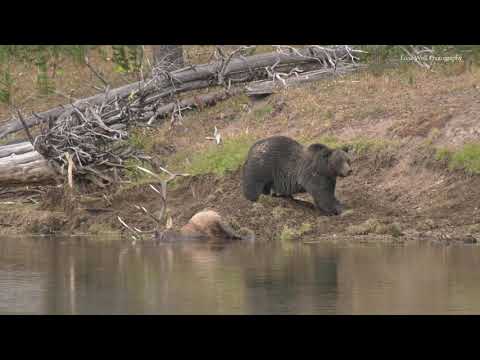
<point x="320" y="148"/>
<point x="317" y="147"/>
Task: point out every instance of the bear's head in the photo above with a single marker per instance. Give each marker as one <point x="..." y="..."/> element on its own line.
<point x="340" y="162"/>
<point x="325" y="161"/>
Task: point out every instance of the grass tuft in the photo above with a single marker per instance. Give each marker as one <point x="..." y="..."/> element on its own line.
<point x="261" y="113"/>
<point x="289" y="233"/>
<point x="374" y="226"/>
<point x="467" y="158"/>
<point x="218" y="159"/>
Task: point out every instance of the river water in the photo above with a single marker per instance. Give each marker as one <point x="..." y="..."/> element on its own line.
<point x="81" y="276"/>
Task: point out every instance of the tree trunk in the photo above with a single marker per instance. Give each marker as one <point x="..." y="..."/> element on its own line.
<point x="198" y="101"/>
<point x="170" y="57"/>
<point x="267" y="87"/>
<point x="17" y="149"/>
<point x="19" y="167"/>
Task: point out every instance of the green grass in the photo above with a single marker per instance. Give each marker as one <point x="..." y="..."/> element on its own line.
<point x="443" y="154"/>
<point x="135" y="174"/>
<point x="262" y="112"/>
<point x="218" y="159"/>
<point x="142" y="141"/>
<point x="215" y="159"/>
<point x="374" y="226"/>
<point x="467" y="158"/>
<point x="289" y="233"/>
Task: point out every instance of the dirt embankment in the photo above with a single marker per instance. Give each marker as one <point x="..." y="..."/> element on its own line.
<point x="400" y="189"/>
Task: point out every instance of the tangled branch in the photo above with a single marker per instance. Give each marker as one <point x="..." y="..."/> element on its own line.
<point x="137" y="233"/>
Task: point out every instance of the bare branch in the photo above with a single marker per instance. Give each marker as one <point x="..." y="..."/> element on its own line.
<point x="132" y="231"/>
<point x="95" y="72"/>
<point x="30" y="137"/>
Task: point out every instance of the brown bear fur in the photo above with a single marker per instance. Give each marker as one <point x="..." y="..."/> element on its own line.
<point x="206" y="225"/>
<point x="281" y="166"/>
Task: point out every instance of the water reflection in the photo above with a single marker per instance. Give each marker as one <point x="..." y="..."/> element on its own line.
<point x="77" y="276"/>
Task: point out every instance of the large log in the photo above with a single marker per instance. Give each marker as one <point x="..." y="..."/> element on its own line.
<point x="18" y="148"/>
<point x="192" y="103"/>
<point x="267" y="87"/>
<point x="202" y="74"/>
<point x="26" y="168"/>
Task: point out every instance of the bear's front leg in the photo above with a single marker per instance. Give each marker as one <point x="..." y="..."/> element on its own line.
<point x="327" y="206"/>
<point x="323" y="197"/>
<point x="339" y="207"/>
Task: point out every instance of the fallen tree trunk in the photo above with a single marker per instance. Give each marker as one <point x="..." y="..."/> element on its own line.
<point x="191" y="103"/>
<point x="267" y="87"/>
<point x="19" y="148"/>
<point x="235" y="69"/>
<point x="26" y="168"/>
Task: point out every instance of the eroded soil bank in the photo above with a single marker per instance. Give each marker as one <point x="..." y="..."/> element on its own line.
<point x="404" y="187"/>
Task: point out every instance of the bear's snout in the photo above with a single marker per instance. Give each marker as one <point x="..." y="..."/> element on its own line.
<point x="346" y="171"/>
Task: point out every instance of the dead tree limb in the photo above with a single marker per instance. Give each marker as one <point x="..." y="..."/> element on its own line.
<point x="17" y="149"/>
<point x="20" y="117"/>
<point x="280" y="81"/>
<point x="191" y="103"/>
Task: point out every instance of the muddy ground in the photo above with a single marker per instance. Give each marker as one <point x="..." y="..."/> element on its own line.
<point x="398" y="192"/>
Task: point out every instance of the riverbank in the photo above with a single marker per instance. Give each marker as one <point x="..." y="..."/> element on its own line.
<point x="416" y="142"/>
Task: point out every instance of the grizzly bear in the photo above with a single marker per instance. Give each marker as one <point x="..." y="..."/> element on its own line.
<point x="281" y="166"/>
<point x="206" y="225"/>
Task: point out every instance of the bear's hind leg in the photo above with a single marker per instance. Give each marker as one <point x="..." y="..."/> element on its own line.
<point x="267" y="189"/>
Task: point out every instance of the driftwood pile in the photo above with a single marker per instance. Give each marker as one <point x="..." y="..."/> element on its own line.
<point x="93" y="139"/>
<point x="90" y="135"/>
